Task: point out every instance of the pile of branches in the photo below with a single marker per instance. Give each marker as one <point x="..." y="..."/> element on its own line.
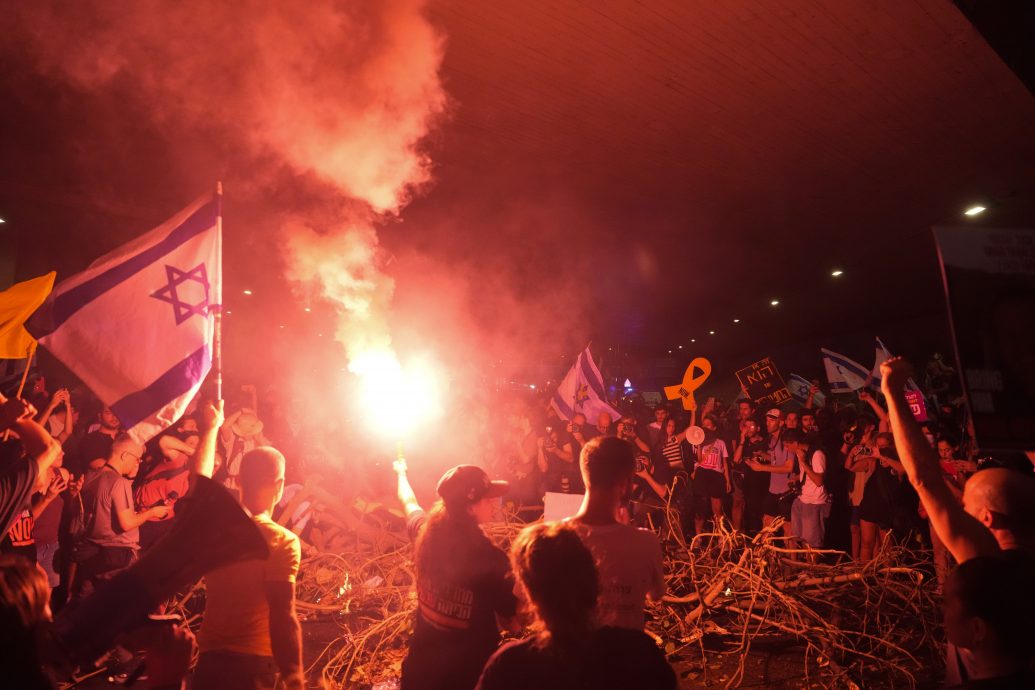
<point x="854" y="621"/>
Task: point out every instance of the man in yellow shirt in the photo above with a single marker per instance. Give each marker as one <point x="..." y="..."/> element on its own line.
<point x="249" y="632"/>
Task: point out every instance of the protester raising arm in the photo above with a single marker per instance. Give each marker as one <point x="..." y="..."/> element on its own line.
<point x="962" y="534"/>
<point x="203" y="462"/>
<point x="17" y="415"/>
<point x="881" y="413"/>
<point x="404" y="490"/>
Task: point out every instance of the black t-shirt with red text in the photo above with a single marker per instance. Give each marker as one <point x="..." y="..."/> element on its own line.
<point x="459" y="595"/>
<point x="17" y="478"/>
<point x="19" y="538"/>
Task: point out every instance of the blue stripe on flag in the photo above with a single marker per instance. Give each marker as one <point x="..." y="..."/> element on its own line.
<point x="853" y="367"/>
<point x="562" y="406"/>
<point x="68" y="303"/>
<point x="587" y="373"/>
<point x="138" y="406"/>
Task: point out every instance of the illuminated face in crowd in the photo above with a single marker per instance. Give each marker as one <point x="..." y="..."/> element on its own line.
<point x="791" y="421"/>
<point x="772" y="424"/>
<point x="945" y="450"/>
<point x="808" y="422"/>
<point x="108" y="419"/>
<point x="744" y="409"/>
<point x="660" y="414"/>
<point x="670" y="428"/>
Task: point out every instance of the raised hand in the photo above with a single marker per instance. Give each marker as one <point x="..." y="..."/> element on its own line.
<point x="13" y="410"/>
<point x="895" y="372"/>
<point x="58" y="483"/>
<point x="212" y="415"/>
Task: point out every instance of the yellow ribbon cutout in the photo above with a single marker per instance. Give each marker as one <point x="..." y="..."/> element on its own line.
<point x="685" y="390"/>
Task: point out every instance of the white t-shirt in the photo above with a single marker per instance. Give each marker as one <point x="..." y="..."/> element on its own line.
<point x="630" y="567"/>
<point x="810" y="493"/>
<point x="713" y="456"/>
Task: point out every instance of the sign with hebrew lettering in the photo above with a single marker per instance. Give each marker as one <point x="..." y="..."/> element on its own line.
<point x="917" y="405"/>
<point x="763" y="382"/>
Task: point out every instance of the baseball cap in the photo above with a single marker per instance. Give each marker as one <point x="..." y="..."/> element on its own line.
<point x="774" y="414"/>
<point x="468" y="484"/>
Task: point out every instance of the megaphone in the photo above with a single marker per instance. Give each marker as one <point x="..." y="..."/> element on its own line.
<point x="210" y="530"/>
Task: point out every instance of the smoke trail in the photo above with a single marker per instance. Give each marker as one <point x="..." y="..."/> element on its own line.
<point x="341" y="93"/>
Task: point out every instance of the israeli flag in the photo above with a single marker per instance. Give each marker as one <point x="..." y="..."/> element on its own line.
<point x="883" y="355"/>
<point x="582" y="390"/>
<point x="137" y="325"/>
<point x="844" y="374"/>
<point x="799" y="388"/>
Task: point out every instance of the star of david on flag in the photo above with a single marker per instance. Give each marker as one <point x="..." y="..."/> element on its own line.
<point x="582" y="390"/>
<point x="137" y="325"/>
<point x="183" y="306"/>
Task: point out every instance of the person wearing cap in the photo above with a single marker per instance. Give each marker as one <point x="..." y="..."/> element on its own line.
<point x="780" y="465"/>
<point x="465" y="590"/>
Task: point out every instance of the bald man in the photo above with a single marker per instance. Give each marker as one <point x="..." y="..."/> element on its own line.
<point x="249" y="632"/>
<point x="998" y="511"/>
<point x="111" y="538"/>
<point x="997" y="517"/>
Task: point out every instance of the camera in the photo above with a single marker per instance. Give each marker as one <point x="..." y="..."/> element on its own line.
<point x="641" y="463"/>
<point x="576" y="428"/>
<point x="761" y="459"/>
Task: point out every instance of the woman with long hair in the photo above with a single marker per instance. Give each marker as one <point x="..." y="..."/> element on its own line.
<point x="568" y="651"/>
<point x="464" y="588"/>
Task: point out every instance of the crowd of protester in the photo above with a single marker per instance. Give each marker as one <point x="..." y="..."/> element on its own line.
<point x="80" y="498"/>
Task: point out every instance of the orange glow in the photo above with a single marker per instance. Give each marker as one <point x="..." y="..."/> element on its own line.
<point x="397" y="399"/>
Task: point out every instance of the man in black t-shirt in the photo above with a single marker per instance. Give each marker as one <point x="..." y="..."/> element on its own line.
<point x="558" y="462"/>
<point x="95" y="446"/>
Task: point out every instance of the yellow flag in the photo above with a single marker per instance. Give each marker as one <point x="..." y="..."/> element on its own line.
<point x="17" y="303"/>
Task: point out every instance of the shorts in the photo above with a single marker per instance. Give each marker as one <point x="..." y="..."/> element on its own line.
<point x="877" y="512"/>
<point x="808" y="520"/>
<point x="709" y="484"/>
<point x="776" y="506"/>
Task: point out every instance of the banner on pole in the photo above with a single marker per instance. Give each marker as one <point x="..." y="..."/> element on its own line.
<point x="989" y="280"/>
<point x="763" y="382"/>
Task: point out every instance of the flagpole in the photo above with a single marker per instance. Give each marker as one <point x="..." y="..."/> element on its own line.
<point x="28" y="365"/>
<point x="217" y="315"/>
<point x="25" y="377"/>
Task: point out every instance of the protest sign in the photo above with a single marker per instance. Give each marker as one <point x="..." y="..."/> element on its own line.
<point x="691" y="382"/>
<point x="763" y="382"/>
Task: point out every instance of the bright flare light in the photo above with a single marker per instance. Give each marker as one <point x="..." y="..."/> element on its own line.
<point x="974" y="210"/>
<point x="836" y="273"/>
<point x="397" y="400"/>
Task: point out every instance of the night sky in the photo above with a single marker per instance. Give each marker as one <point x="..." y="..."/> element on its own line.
<point x="631" y="174"/>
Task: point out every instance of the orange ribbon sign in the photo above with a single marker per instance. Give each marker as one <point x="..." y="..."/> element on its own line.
<point x="690" y="383"/>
